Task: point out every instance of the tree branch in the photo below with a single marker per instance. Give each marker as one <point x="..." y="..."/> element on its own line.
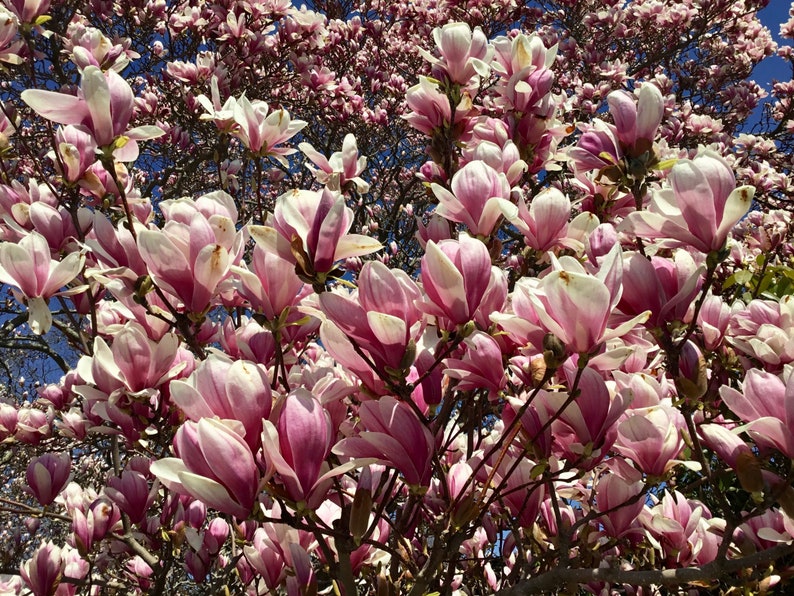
<point x="715" y="570"/>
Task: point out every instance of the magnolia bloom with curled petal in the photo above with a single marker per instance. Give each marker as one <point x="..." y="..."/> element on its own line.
<point x="700" y="209"/>
<point x="189" y="259"/>
<point x="393" y="435"/>
<point x="215" y="465"/>
<point x="382" y="319"/>
<point x="651" y="438"/>
<point x="766" y="403"/>
<point x="480" y="196"/>
<point x="76" y="148"/>
<point x="545" y="225"/>
<point x="297" y="447"/>
<point x="132" y="363"/>
<point x="342" y="169"/>
<point x="230" y="390"/>
<point x="764" y="329"/>
<point x="222" y="115"/>
<point x="269" y="283"/>
<point x="575" y="306"/>
<point x="636" y="123"/>
<point x="27" y="265"/>
<point x="431" y="110"/>
<point x="261" y="130"/>
<point x="480" y="367"/>
<point x="679" y="529"/>
<point x="104" y="105"/>
<point x="455" y="276"/>
<point x="47" y="475"/>
<point x="310" y="229"/>
<point x="464" y="53"/>
<point x="586" y="427"/>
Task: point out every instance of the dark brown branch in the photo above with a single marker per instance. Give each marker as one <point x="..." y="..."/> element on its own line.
<point x="552" y="580"/>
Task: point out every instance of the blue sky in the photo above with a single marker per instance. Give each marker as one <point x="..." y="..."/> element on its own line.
<point x="774" y="15"/>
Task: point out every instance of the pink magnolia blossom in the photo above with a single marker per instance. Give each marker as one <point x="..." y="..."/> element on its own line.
<point x="47" y="475"/>
<point x="463" y="53"/>
<point x="222" y="115"/>
<point x="480" y="367"/>
<point x="636" y="123"/>
<point x="621" y="501"/>
<point x="480" y="196"/>
<point x="585" y="429"/>
<point x="297" y="447"/>
<point x="130" y="492"/>
<point x="92" y="524"/>
<point x="651" y="438"/>
<point x="575" y="306"/>
<point x="383" y="319"/>
<point x="766" y="403"/>
<point x="234" y="391"/>
<point x="662" y="286"/>
<point x="193" y="253"/>
<point x="104" y="105"/>
<point x="699" y="211"/>
<point x="311" y="230"/>
<point x="544" y="224"/>
<point x="42" y="572"/>
<point x="714" y="318"/>
<point x="28" y="11"/>
<point x="431" y="111"/>
<point x="10" y="44"/>
<point x="27" y="265"/>
<point x="77" y="151"/>
<point x="393" y="435"/>
<point x="261" y="130"/>
<point x="764" y="329"/>
<point x="681" y="531"/>
<point x="214" y="465"/>
<point x="342" y="169"/>
<point x="455" y="276"/>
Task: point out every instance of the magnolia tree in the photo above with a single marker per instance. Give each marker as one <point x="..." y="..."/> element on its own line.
<point x="395" y="298"/>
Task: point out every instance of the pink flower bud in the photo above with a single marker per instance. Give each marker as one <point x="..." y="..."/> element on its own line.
<point x="47" y="475"/>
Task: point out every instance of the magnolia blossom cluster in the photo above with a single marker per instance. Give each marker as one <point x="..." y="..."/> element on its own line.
<point x="583" y="364"/>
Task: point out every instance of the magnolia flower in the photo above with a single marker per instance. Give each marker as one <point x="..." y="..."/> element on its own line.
<point x="464" y="53"/>
<point x="480" y="196"/>
<point x="636" y="123"/>
<point x="104" y="104"/>
<point x="342" y="169"/>
<point x="310" y="229"/>
<point x="215" y="466"/>
<point x="455" y="276"/>
<point x="261" y="130"/>
<point x="47" y="476"/>
<point x="699" y="211"/>
<point x="28" y="266"/>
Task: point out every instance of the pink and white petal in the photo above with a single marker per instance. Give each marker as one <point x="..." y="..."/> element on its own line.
<point x="97" y="96"/>
<point x="650" y="111"/>
<point x="736" y="206"/>
<point x="168" y="470"/>
<point x="39" y="315"/>
<point x="695" y="200"/>
<point x="229" y="458"/>
<point x="212" y="494"/>
<point x="58" y="107"/>
<point x="63" y="273"/>
<point x="355" y="245"/>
